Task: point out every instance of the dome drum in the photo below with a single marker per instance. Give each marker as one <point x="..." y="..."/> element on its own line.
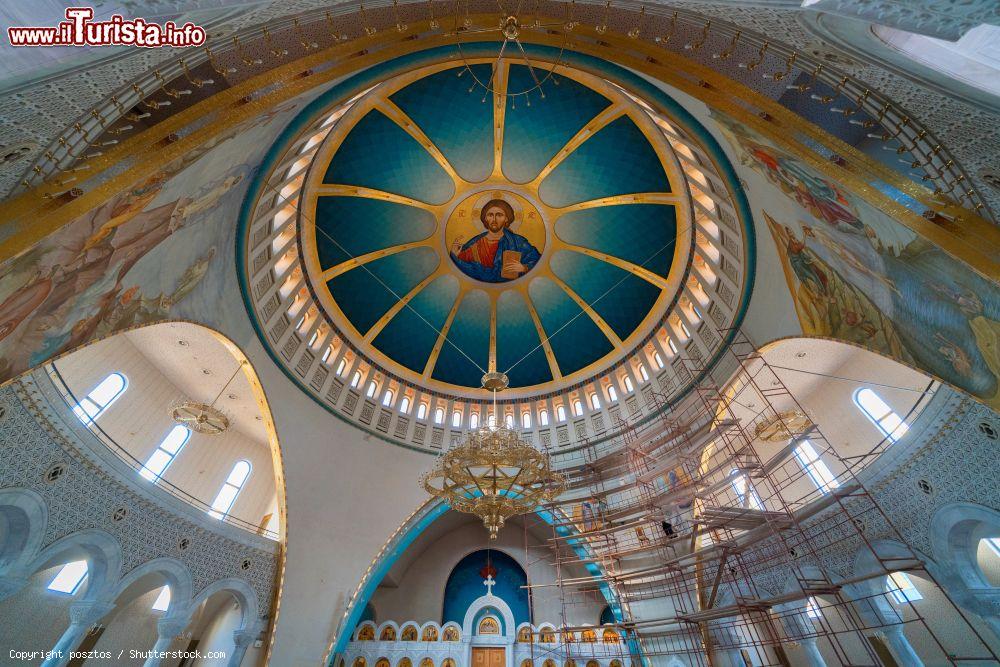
<point x="413" y="238"/>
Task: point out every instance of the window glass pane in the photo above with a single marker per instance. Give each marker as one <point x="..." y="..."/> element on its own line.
<point x="439" y="416"/>
<point x="901" y="588"/>
<point x="456" y="419"/>
<point x="371" y="389"/>
<point x="162" y="602"/>
<point x="994" y="543"/>
<point x="815" y="467"/>
<point x="525" y="420"/>
<point x="175" y="439"/>
<point x="612" y="394"/>
<point x="156" y="464"/>
<point x="109" y="388"/>
<point x="421" y="411"/>
<point x="474" y="420"/>
<point x="561" y="413"/>
<point x="628" y="384"/>
<point x="509" y="420"/>
<point x="658" y="359"/>
<point x="543" y="417"/>
<point x="577" y="408"/>
<point x="69" y="577"/>
<point x="225" y="499"/>
<point x="643" y="373"/>
<point x="812" y="609"/>
<point x="387" y="399"/>
<point x="872" y="403"/>
<point x="672" y="346"/>
<point x="239" y="474"/>
<point x="404" y="405"/>
<point x="595" y="402"/>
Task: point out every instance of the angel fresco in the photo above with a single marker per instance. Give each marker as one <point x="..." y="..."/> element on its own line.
<point x="74" y="286"/>
<point x="857" y="274"/>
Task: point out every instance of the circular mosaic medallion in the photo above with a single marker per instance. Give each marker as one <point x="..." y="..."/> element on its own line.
<point x="495" y="236"/>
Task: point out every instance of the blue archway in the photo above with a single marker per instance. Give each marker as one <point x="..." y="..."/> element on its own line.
<point x="465" y="585"/>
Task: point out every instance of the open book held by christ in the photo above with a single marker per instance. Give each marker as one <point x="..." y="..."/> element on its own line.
<point x="508" y="257"/>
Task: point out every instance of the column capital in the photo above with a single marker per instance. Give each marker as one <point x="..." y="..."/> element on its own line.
<point x="89" y="612"/>
<point x="171" y="627"/>
<point x="245" y="637"/>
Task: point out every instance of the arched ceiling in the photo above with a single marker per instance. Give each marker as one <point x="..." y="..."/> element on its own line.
<point x="399" y="256"/>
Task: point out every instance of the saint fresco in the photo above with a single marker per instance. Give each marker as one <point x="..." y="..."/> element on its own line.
<point x="858" y="275"/>
<point x="498" y="254"/>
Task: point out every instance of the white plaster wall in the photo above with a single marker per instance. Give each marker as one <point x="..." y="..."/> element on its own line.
<point x="217" y="636"/>
<point x="34" y="618"/>
<point x="140" y="419"/>
<point x="346" y="494"/>
<point x="419" y="595"/>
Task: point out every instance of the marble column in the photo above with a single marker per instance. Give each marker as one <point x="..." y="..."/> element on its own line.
<point x="243" y="639"/>
<point x="167" y="629"/>
<point x="82" y="615"/>
<point x="900" y="646"/>
<point x="876" y="612"/>
<point x="795" y="621"/>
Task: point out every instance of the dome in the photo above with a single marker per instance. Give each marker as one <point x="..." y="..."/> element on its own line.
<point x="397" y="249"/>
<point x="447" y="228"/>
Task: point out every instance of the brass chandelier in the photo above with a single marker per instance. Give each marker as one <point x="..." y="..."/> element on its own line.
<point x="493" y="473"/>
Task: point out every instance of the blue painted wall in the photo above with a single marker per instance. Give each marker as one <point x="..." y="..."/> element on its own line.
<point x="465" y="585"/>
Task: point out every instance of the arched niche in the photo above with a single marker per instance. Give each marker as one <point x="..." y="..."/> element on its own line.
<point x="165" y="365"/>
<point x="465" y="584"/>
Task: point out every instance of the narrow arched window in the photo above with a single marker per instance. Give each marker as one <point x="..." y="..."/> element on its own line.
<point x="561" y="413"/>
<point x="812" y="608"/>
<point x="672" y="345"/>
<point x="372" y="388"/>
<point x="404" y="405"/>
<point x="474" y="420"/>
<point x="543" y="417"/>
<point x="595" y="402"/>
<point x="342" y="367"/>
<point x="439" y="416"/>
<point x="748" y="499"/>
<point x="658" y="359"/>
<point x="697" y="313"/>
<point x="612" y="393"/>
<point x="577" y="408"/>
<point x="327" y="352"/>
<point x="525" y="419"/>
<point x="508" y="420"/>
<point x="356" y="379"/>
<point x="815" y="467"/>
<point x="101" y="397"/>
<point x="422" y="411"/>
<point x="69" y="577"/>
<point x="387" y="398"/>
<point x="313" y="338"/>
<point x="627" y="381"/>
<point x="880" y="414"/>
<point x="456" y="419"/>
<point x="230" y="489"/>
<point x="643" y="373"/>
<point x="165" y="453"/>
<point x="687" y="333"/>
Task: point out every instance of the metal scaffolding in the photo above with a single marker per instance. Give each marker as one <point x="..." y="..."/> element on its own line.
<point x="716" y="528"/>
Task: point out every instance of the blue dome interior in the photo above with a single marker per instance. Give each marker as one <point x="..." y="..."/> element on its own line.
<point x="592" y="251"/>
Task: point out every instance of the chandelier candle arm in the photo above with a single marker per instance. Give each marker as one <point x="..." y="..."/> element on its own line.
<point x="493" y="473"/>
